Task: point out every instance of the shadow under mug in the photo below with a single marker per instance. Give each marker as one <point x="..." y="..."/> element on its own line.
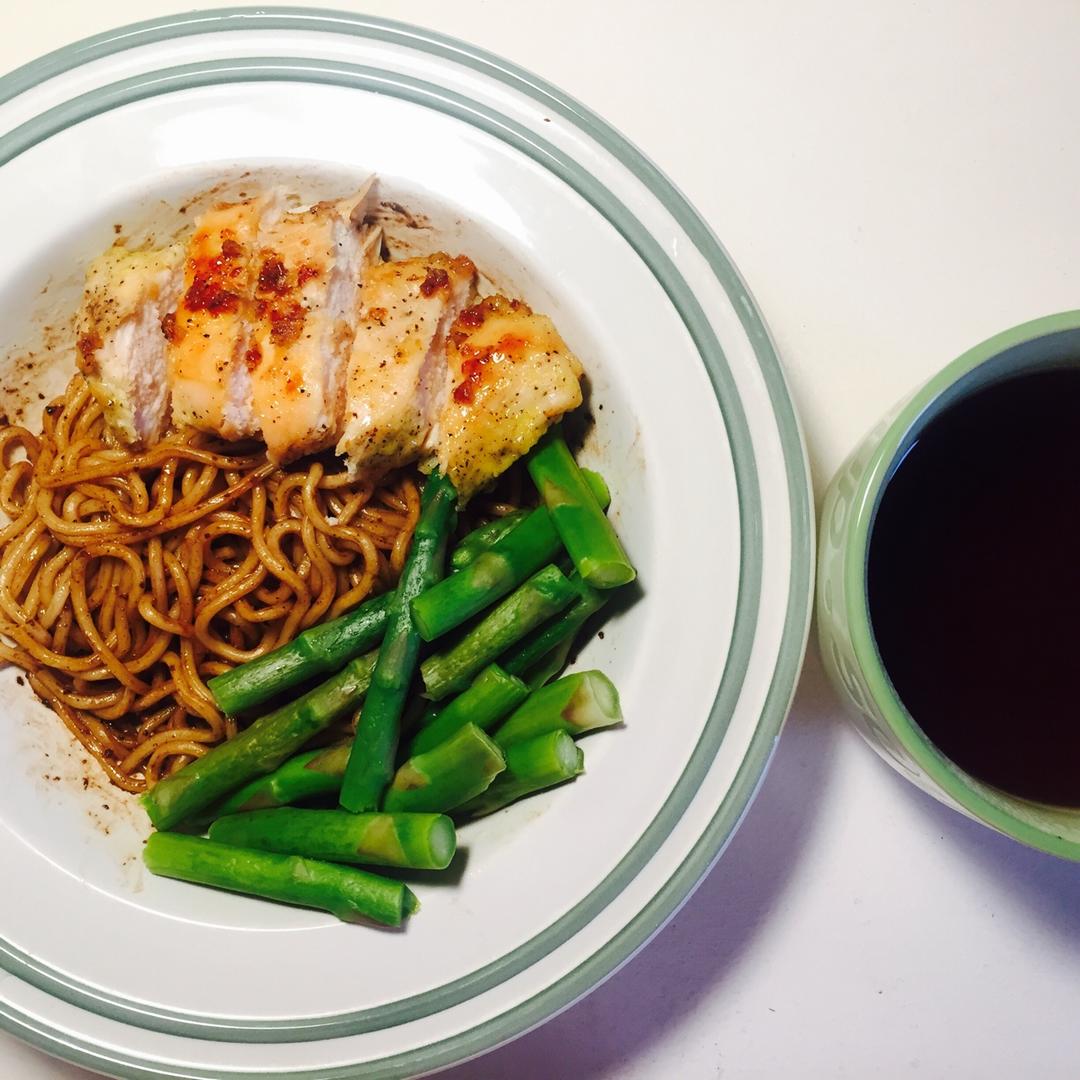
<point x="848" y="648"/>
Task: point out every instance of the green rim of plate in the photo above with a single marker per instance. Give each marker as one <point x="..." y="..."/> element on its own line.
<point x="719" y="830"/>
<point x="935" y="394"/>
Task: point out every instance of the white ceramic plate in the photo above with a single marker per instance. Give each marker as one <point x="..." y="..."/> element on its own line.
<point x="136" y="976"/>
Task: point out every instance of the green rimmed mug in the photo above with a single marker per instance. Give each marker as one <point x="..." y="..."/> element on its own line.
<point x="846" y="638"/>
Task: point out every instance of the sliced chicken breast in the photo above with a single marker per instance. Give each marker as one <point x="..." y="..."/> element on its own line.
<point x="396" y="380"/>
<point x="283" y="324"/>
<point x="511" y="377"/>
<point x="209" y="359"/>
<point x="306" y="305"/>
<point x="121" y="341"/>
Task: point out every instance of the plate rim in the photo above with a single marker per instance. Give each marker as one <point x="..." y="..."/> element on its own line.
<point x="707" y="848"/>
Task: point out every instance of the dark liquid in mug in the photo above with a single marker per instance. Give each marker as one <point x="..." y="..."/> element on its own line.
<point x="974" y="584"/>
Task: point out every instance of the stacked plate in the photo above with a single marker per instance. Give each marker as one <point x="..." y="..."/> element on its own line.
<point x="694" y="431"/>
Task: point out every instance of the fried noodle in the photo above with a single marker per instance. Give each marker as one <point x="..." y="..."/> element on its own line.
<point x="128" y="578"/>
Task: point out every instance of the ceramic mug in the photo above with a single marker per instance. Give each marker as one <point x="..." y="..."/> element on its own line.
<point x="847" y="642"/>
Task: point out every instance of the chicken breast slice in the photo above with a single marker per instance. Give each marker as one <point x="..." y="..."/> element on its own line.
<point x="512" y="376"/>
<point x="306" y="305"/>
<point x="209" y="363"/>
<point x="120" y="338"/>
<point x="396" y="380"/>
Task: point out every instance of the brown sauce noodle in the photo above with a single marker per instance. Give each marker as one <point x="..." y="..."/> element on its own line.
<point x="128" y="578"/>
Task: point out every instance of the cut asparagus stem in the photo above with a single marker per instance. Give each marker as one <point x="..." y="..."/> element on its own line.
<point x="545" y="594"/>
<point x="306" y="776"/>
<point x="414" y="841"/>
<point x="322" y="650"/>
<point x="371" y="763"/>
<point x="452" y="773"/>
<point x="539" y="644"/>
<point x="575" y="704"/>
<point x="547" y="667"/>
<point x="503" y="567"/>
<point x="531" y="766"/>
<point x="483" y="536"/>
<point x="350" y="894"/>
<point x="507" y="562"/>
<point x="492" y="696"/>
<point x="259" y="749"/>
<point x="586" y="533"/>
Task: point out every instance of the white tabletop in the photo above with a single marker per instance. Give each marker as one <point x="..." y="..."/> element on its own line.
<point x="896" y="182"/>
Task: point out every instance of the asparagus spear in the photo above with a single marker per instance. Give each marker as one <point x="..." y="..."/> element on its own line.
<point x="452" y="773"/>
<point x="545" y="594"/>
<point x="320" y="772"/>
<point x="415" y="841"/>
<point x="575" y="704"/>
<point x="371" y="763"/>
<point x="350" y="894"/>
<point x="508" y="561"/>
<point x="317" y="772"/>
<point x="503" y="567"/>
<point x="259" y="749"/>
<point x="586" y="533"/>
<point x="492" y="696"/>
<point x="531" y="766"/>
<point x="321" y="650"/>
<point x="539" y="644"/>
<point x="482" y="537"/>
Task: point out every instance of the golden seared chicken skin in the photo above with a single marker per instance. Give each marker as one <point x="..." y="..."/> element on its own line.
<point x="511" y="376"/>
<point x="397" y="377"/>
<point x="304" y="316"/>
<point x="120" y="345"/>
